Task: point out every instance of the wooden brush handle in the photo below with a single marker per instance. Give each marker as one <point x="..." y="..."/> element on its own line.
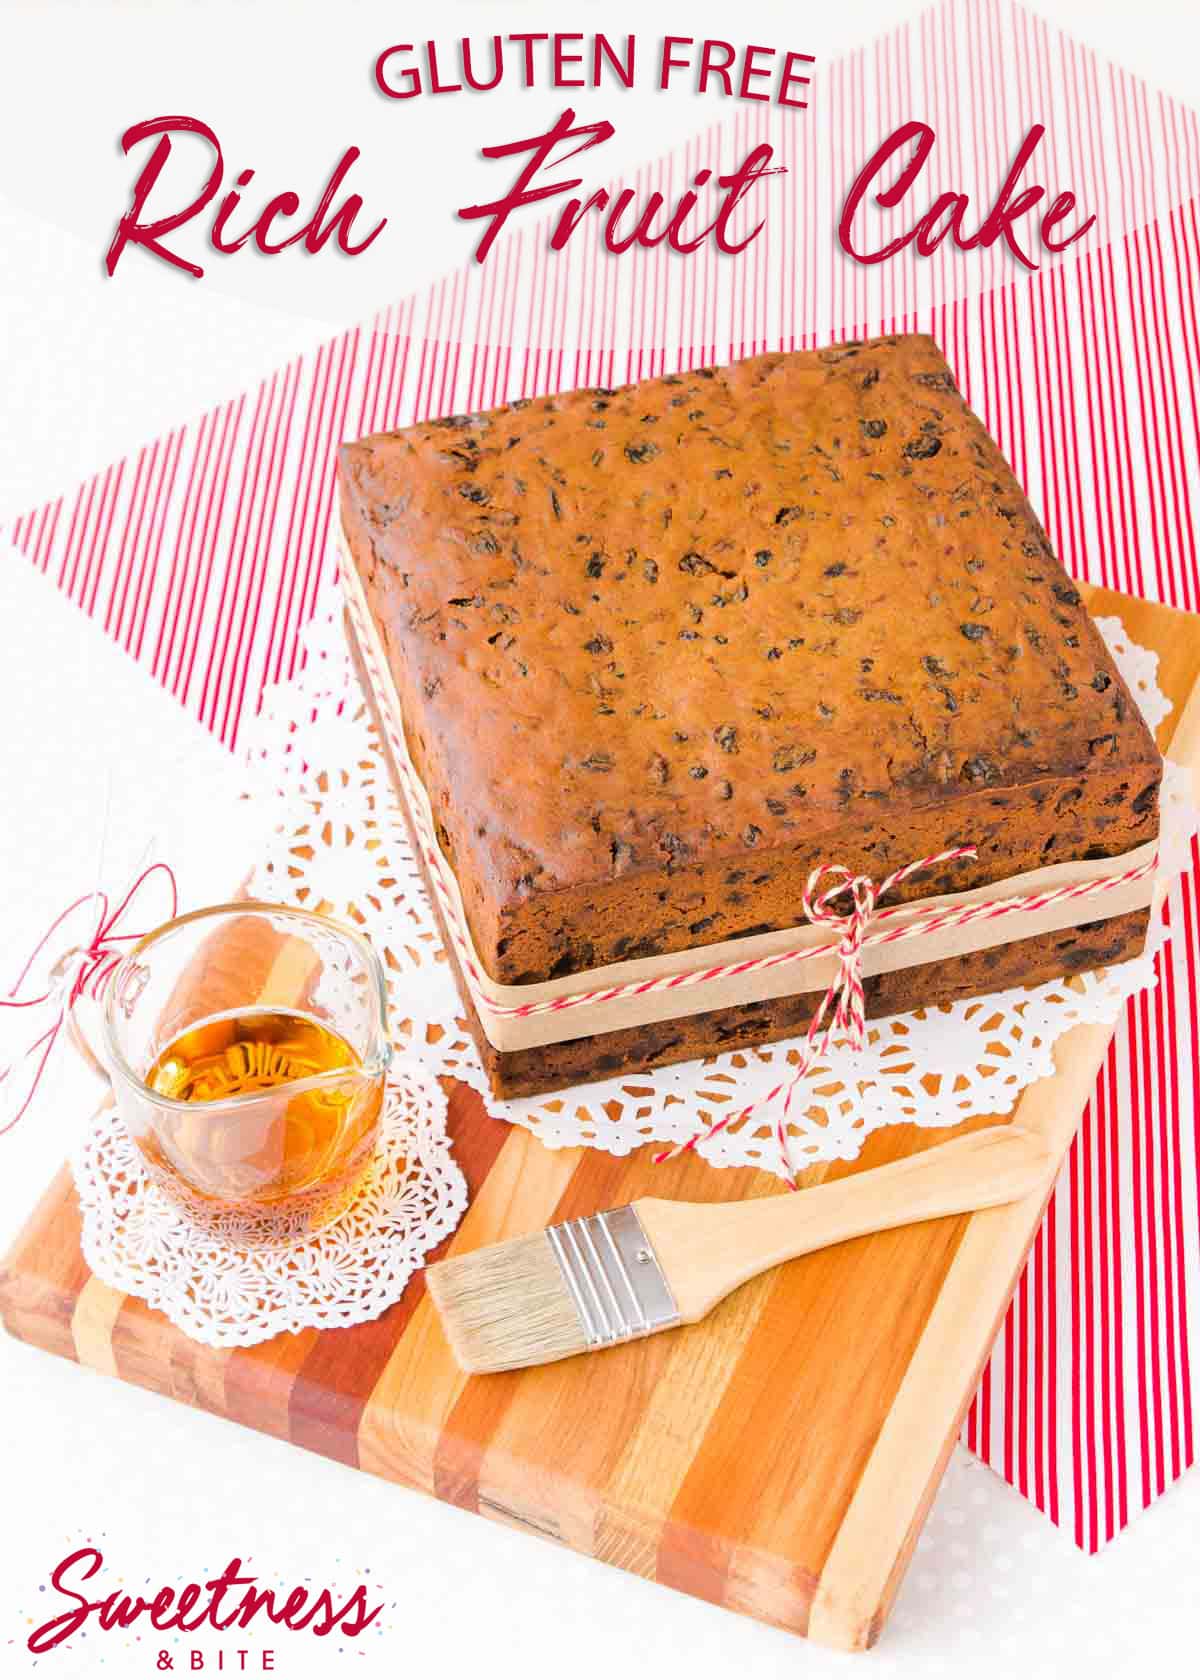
<point x="708" y="1249"/>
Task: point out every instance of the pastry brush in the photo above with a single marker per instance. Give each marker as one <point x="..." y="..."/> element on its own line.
<point x="613" y="1277"/>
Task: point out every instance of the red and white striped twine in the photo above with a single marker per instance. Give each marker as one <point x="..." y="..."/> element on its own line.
<point x="842" y="1007"/>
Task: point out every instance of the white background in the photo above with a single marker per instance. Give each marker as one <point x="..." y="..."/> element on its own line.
<point x="92" y="367"/>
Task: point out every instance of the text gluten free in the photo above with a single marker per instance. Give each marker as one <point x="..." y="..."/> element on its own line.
<point x="769" y="75"/>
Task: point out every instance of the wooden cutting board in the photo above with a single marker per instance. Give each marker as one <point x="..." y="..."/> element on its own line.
<point x="778" y="1459"/>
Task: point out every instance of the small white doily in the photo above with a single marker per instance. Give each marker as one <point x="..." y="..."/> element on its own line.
<point x="227" y="1293"/>
<point x="336" y="834"/>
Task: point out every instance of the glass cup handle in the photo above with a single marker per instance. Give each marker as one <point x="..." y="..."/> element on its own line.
<point x="125" y="986"/>
<point x="83" y="1038"/>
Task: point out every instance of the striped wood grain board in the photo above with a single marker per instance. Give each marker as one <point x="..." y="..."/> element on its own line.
<point x="778" y="1459"/>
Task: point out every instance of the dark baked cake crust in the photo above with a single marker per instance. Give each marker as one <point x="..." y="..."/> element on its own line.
<point x="661" y="650"/>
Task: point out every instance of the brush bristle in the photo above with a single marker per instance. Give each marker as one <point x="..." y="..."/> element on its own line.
<point x="506" y="1306"/>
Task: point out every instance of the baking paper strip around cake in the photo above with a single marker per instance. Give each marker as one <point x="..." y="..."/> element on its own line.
<point x="521" y="1032"/>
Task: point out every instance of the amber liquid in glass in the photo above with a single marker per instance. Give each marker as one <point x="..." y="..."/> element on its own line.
<point x="300" y="1156"/>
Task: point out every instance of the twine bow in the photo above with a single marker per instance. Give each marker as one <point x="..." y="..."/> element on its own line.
<point x="83" y="970"/>
<point x="842" y="1009"/>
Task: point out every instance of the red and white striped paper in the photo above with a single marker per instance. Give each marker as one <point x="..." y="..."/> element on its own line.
<point x="203" y="554"/>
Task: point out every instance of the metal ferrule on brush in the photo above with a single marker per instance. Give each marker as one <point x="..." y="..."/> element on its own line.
<point x="619" y="1289"/>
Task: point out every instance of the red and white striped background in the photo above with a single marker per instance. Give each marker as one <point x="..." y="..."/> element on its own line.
<point x="203" y="554"/>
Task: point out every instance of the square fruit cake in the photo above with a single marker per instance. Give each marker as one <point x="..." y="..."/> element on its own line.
<point x="662" y="650"/>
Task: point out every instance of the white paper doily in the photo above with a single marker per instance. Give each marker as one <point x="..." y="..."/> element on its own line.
<point x="226" y="1294"/>
<point x="316" y="771"/>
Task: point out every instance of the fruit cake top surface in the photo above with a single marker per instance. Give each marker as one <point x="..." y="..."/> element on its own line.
<point x="721" y="611"/>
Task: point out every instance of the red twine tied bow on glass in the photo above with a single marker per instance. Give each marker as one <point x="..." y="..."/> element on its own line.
<point x="84" y="970"/>
<point x="842" y="1007"/>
